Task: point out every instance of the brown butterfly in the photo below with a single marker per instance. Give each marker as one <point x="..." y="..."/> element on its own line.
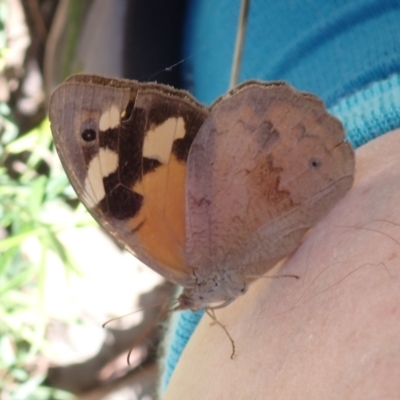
<point x="210" y="198"/>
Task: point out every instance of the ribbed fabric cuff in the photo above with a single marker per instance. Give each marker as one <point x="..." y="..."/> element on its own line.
<point x="181" y="327"/>
<point x="371" y="112"/>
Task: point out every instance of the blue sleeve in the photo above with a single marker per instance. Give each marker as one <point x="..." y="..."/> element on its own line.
<point x="347" y="53"/>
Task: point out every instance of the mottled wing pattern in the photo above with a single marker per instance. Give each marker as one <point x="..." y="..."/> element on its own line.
<point x="124" y="146"/>
<point x="267" y="164"/>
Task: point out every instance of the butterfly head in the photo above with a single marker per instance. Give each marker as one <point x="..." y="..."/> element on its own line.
<point x="217" y="292"/>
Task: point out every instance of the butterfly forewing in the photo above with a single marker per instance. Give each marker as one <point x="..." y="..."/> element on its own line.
<point x="124" y="146"/>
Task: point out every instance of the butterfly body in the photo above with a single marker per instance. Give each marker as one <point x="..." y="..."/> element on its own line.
<point x="211" y="198"/>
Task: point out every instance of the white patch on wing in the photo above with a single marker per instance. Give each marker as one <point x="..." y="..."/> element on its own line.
<point x="94" y="182"/>
<point x="158" y="141"/>
<point x="110" y="118"/>
<point x="108" y="161"/>
<point x="100" y="167"/>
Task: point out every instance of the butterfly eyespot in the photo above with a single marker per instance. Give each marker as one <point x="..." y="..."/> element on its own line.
<point x="88" y="135"/>
<point x="314" y="163"/>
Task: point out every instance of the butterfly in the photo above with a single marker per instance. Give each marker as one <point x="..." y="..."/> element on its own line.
<point x="209" y="197"/>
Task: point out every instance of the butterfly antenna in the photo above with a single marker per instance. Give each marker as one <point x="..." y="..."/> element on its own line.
<point x="240" y="35"/>
<point x="163" y="312"/>
<point x="131" y="313"/>
<point x="167" y="69"/>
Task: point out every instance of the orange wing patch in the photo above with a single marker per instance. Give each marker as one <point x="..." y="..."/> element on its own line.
<point x="160" y="224"/>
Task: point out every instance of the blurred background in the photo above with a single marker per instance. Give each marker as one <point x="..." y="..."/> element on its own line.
<point x="61" y="277"/>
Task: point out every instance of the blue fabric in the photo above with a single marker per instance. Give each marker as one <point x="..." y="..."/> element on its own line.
<point x="181" y="327"/>
<point x="346" y="52"/>
<point x="330" y="48"/>
<point x="371" y="112"/>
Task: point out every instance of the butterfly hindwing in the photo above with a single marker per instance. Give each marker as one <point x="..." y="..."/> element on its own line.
<point x="283" y="160"/>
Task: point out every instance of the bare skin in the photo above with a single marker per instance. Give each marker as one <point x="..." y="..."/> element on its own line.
<point x="332" y="334"/>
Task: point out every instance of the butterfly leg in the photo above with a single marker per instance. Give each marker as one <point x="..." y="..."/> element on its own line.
<point x="211" y="314"/>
